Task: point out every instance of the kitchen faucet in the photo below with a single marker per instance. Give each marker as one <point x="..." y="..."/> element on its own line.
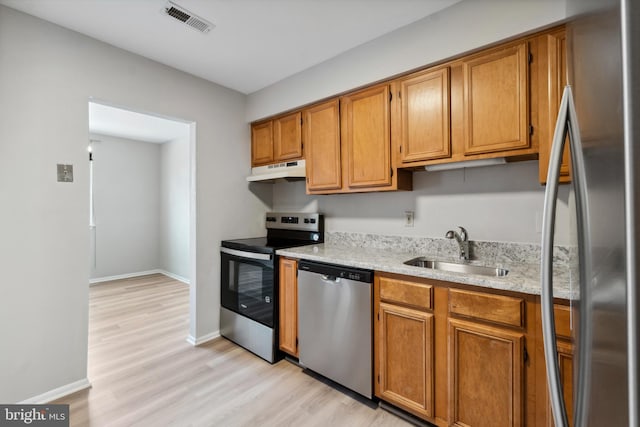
<point x="463" y="243"/>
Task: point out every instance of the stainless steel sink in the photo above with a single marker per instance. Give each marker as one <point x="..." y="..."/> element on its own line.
<point x="457" y="268"/>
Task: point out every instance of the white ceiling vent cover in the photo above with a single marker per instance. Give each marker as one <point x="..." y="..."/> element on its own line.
<point x="186" y="17"/>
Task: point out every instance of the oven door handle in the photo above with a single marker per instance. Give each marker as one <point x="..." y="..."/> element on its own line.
<point x="244" y="254"/>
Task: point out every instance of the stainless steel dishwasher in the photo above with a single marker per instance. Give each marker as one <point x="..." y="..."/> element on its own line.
<point x="334" y="323"/>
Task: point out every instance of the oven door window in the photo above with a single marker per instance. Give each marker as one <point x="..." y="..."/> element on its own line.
<point x="248" y="288"/>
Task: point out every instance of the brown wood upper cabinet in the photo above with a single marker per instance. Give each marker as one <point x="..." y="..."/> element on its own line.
<point x="556" y="45"/>
<point x="277" y="140"/>
<point x="366" y="137"/>
<point x="321" y="131"/>
<point x="425" y="118"/>
<point x="348" y="144"/>
<point x="496" y="100"/>
<point x="262" y="143"/>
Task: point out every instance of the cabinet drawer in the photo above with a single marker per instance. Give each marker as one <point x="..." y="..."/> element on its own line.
<point x="493" y="308"/>
<point x="409" y="293"/>
<point x="562" y="315"/>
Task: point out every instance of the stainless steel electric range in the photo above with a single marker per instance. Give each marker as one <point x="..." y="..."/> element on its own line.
<point x="249" y="280"/>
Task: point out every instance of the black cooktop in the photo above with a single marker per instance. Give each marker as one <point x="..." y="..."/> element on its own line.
<point x="262" y="244"/>
<point x="284" y="230"/>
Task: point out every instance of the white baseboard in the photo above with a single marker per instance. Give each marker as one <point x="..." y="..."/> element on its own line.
<point x="57" y="393"/>
<point x="176" y="277"/>
<point x="138" y="274"/>
<point x="124" y="276"/>
<point x="203" y="339"/>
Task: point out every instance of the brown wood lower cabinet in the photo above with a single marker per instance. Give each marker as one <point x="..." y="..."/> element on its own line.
<point x="565" y="361"/>
<point x="486" y="370"/>
<point x="288" y="293"/>
<point x="406" y="358"/>
<point x="564" y="343"/>
<point x="458" y="355"/>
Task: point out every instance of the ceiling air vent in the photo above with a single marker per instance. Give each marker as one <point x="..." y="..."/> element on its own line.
<point x="186" y="17"/>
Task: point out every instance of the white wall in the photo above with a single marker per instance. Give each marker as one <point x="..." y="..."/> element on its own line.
<point x="174" y="207"/>
<point x="465" y="26"/>
<point x="47" y="75"/>
<point x="497" y="203"/>
<point x="126" y="184"/>
<point x="141" y="194"/>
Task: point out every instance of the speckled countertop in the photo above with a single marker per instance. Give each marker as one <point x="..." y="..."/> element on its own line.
<point x="523" y="277"/>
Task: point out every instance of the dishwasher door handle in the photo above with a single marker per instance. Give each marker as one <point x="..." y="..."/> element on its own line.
<point x="328" y="278"/>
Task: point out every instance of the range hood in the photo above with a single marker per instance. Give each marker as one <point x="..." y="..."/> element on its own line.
<point x="290" y="171"/>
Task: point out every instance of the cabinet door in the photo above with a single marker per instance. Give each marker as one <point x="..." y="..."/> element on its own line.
<point x="406" y="358"/>
<point x="565" y="363"/>
<point x="289" y="306"/>
<point x="321" y="129"/>
<point x="486" y="367"/>
<point x="564" y="317"/>
<point x="287" y="137"/>
<point x="425" y="116"/>
<point x="366" y="137"/>
<point x="496" y="100"/>
<point x="557" y="75"/>
<point x="262" y="143"/>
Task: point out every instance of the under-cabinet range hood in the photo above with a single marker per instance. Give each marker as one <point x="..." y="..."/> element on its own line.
<point x="290" y="171"/>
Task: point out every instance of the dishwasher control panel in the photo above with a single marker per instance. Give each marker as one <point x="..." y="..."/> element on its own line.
<point x="341" y="271"/>
<point x="351" y="276"/>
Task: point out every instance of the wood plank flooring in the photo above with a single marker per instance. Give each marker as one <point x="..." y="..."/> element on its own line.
<point x="144" y="373"/>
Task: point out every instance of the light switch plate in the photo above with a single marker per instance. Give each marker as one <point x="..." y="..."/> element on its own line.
<point x="65" y="173"/>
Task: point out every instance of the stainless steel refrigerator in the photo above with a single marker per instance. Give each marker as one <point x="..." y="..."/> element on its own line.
<point x="600" y="112"/>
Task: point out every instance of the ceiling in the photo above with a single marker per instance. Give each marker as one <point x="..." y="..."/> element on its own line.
<point x="254" y="44"/>
<point x="113" y="121"/>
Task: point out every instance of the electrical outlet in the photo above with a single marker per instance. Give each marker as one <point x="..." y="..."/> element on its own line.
<point x="408" y="218"/>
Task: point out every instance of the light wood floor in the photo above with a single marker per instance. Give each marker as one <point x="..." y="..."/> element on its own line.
<point x="144" y="373"/>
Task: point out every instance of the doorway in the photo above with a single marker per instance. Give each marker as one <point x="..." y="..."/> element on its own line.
<point x="141" y="208"/>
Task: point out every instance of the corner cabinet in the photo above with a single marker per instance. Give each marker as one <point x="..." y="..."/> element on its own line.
<point x="425" y="118"/>
<point x="277" y="140"/>
<point x="288" y="293"/>
<point x="496" y="100"/>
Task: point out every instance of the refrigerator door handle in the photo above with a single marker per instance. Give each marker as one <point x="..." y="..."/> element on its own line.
<point x="582" y="384"/>
<point x="558" y="406"/>
<point x="567" y="124"/>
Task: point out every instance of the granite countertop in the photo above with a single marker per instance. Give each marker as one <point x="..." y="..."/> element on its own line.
<point x="522" y="277"/>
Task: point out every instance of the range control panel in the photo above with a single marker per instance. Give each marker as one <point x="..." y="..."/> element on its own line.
<point x="295" y="221"/>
